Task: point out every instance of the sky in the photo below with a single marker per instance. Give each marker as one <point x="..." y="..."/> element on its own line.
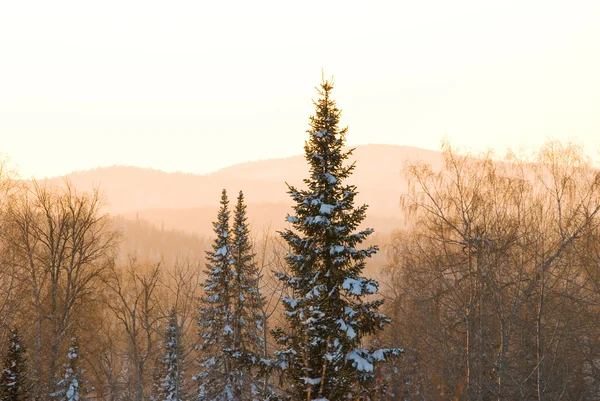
<point x="195" y="86"/>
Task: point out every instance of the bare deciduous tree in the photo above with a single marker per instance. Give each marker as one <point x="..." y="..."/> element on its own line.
<point x="10" y="288"/>
<point x="486" y="281"/>
<point x="134" y="299"/>
<point x="62" y="245"/>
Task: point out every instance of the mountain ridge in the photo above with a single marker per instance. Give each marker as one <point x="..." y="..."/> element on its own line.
<point x="176" y="199"/>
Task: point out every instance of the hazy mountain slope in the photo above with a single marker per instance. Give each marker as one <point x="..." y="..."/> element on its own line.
<point x="188" y="201"/>
<point x="261" y="216"/>
<point x="149" y="242"/>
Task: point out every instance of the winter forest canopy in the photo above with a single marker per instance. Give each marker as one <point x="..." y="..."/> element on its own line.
<point x="490" y="290"/>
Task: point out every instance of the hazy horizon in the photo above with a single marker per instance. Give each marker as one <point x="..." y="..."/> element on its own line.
<point x="195" y="87"/>
<point x="188" y="201"/>
<point x="299" y="154"/>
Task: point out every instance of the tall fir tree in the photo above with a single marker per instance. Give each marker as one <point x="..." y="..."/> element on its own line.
<point x="169" y="384"/>
<point x="13" y="382"/>
<point x="69" y="388"/>
<point x="217" y="377"/>
<point x="331" y="307"/>
<point x="248" y="321"/>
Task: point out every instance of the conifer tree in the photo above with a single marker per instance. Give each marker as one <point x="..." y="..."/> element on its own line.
<point x="157" y="376"/>
<point x="13" y="382"/>
<point x="171" y="367"/>
<point x="248" y="341"/>
<point x="69" y="387"/>
<point x="217" y="376"/>
<point x="330" y="308"/>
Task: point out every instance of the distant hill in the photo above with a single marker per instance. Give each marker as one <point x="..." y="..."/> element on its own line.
<point x="261" y="215"/>
<point x="189" y="201"/>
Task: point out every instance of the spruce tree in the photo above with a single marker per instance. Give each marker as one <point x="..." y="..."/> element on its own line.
<point x="69" y="388"/>
<point x="217" y="376"/>
<point x="13" y="383"/>
<point x="157" y="377"/>
<point x="248" y="340"/>
<point x="331" y="307"/>
<point x="170" y="385"/>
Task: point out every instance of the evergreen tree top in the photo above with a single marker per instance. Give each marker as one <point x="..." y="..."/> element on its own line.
<point x="73" y="349"/>
<point x="323" y="150"/>
<point x="221" y="226"/>
<point x="173" y="318"/>
<point x="69" y="388"/>
<point x="16" y="341"/>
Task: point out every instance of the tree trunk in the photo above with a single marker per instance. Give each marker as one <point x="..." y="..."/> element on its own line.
<point x="539" y="339"/>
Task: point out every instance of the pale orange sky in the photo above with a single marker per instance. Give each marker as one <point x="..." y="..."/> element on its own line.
<point x="195" y="85"/>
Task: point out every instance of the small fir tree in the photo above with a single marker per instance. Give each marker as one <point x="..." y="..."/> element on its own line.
<point x="217" y="376"/>
<point x="248" y="340"/>
<point x="330" y="308"/>
<point x="70" y="386"/>
<point x="157" y="376"/>
<point x="13" y="383"/>
<point x="170" y="384"/>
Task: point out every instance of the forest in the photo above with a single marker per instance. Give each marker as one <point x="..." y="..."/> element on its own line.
<point x="489" y="290"/>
